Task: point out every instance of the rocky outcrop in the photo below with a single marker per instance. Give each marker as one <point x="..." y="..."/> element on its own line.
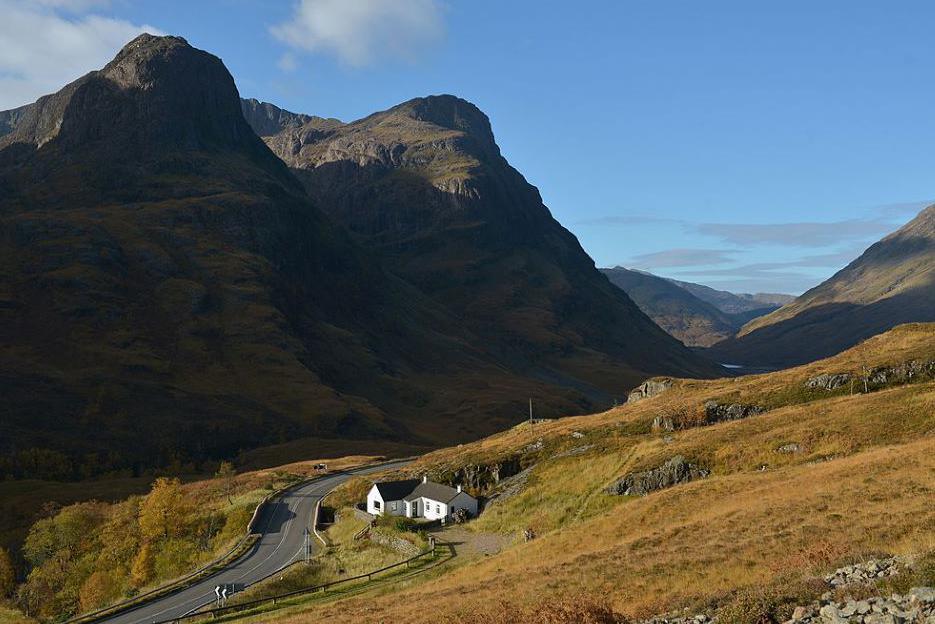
<point x="906" y="372"/>
<point x="718" y="412"/>
<point x="876" y="378"/>
<point x="828" y="381"/>
<point x="674" y="471"/>
<point x="509" y="487"/>
<point x="648" y="389"/>
<point x="480" y="477"/>
<point x="916" y="605"/>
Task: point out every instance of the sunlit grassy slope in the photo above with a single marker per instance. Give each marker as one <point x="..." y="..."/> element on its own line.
<point x="860" y="480"/>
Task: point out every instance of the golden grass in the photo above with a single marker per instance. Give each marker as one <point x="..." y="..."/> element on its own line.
<point x="692" y="543"/>
<point x="862" y="482"/>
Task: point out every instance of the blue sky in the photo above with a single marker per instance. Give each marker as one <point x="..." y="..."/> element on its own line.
<point x="747" y="145"/>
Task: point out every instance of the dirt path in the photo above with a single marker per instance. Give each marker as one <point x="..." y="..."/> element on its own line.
<point x="470" y="543"/>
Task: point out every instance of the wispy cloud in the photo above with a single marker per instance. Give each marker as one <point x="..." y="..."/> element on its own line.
<point x="42" y="48"/>
<point x="681" y="258"/>
<point x="801" y="234"/>
<point x="360" y="32"/>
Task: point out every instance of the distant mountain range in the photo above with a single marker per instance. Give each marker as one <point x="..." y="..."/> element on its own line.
<point x="170" y="291"/>
<point x="697" y="315"/>
<point x="892" y="282"/>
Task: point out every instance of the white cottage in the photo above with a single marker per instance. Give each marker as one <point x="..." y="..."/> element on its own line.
<point x="418" y="499"/>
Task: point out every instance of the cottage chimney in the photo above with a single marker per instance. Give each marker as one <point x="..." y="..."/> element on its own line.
<point x="425" y="478"/>
<point x="459" y="489"/>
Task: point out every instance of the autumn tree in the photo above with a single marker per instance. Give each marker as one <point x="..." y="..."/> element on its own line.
<point x="163" y="511"/>
<point x="99" y="589"/>
<point x="143" y="566"/>
<point x="7" y="574"/>
<point x="226" y="473"/>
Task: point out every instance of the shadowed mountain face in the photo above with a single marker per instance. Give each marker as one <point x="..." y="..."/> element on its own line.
<point x="892" y="282"/>
<point x="695" y="322"/>
<point x="169" y="291"/>
<point x="424" y="185"/>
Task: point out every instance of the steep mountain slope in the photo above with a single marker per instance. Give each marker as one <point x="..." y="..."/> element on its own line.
<point x="673" y="308"/>
<point x="741" y="305"/>
<point x="168" y="291"/>
<point x="892" y="282"/>
<point x="424" y="185"/>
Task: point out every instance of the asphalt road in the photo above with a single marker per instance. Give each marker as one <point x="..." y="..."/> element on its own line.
<point x="282" y="523"/>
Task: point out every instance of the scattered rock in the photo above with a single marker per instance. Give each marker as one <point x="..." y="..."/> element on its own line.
<point x="680" y="618"/>
<point x="649" y="389"/>
<point x="577" y="435"/>
<point x="789" y="448"/>
<point x="862" y="573"/>
<point x="676" y="470"/>
<point x="535" y="446"/>
<point x="578" y="450"/>
<point x="894" y="609"/>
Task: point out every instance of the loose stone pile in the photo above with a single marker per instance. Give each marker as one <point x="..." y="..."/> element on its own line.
<point x="678" y="618"/>
<point x="915" y="607"/>
<point x="866" y="572"/>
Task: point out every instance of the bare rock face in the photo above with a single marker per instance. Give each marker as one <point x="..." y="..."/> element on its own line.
<point x="649" y="389"/>
<point x="674" y="471"/>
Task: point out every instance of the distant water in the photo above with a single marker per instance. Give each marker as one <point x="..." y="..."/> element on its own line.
<point x="748" y="370"/>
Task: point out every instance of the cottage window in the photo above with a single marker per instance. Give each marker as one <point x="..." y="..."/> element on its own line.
<point x="393" y="506"/>
<point x="376" y="504"/>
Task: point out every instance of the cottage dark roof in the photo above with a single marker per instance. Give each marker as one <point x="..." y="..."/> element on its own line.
<point x="396" y="490"/>
<point x="435" y="491"/>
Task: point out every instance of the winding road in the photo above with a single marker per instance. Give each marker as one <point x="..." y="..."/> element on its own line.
<point x="282" y="523"/>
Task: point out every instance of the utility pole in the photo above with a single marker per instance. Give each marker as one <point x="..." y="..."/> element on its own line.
<point x="530" y="411"/>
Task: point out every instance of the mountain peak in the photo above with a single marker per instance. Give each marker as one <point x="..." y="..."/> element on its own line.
<point x="158" y="90"/>
<point x="448" y="111"/>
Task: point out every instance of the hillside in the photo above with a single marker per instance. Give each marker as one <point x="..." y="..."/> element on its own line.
<point x="737" y="304"/>
<point x="892" y="282"/>
<point x="731" y="497"/>
<point x="818" y="478"/>
<point x="424" y="185"/>
<point x="695" y="322"/>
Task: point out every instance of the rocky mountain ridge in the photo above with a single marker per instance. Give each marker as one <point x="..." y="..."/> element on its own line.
<point x="424" y="185"/>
